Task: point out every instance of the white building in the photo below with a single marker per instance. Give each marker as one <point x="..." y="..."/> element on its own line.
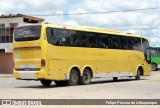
<point x="7" y="25"/>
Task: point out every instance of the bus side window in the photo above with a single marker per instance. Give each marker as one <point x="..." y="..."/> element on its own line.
<point x="49" y="34"/>
<point x="86" y="40"/>
<point x="92" y="40"/>
<point x="52" y="35"/>
<point x="101" y="44"/>
<point x="115" y="42"/>
<point x="137" y="44"/>
<point x="103" y="41"/>
<point x="81" y="39"/>
<point x="130" y="43"/>
<point x="63" y="37"/>
<point x="73" y="38"/>
<point x="124" y="44"/>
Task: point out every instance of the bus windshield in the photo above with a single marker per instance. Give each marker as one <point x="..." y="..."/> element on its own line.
<point x="27" y="33"/>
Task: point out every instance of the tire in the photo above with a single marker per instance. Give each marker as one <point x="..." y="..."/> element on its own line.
<point x="73" y="78"/>
<point x="46" y="82"/>
<point x="86" y="77"/>
<point x="60" y="83"/>
<point x="138" y="76"/>
<point x="115" y="78"/>
<point x="154" y="67"/>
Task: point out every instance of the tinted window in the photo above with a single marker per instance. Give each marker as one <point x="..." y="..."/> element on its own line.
<point x="104" y="41"/>
<point x="137" y="44"/>
<point x="115" y="42"/>
<point x="88" y="39"/>
<point x="146" y="50"/>
<point x="57" y="36"/>
<point x="52" y="35"/>
<point x="124" y="42"/>
<point x="73" y="38"/>
<point x="145" y="45"/>
<point x="130" y="42"/>
<point x="27" y="33"/>
<point x="81" y="39"/>
<point x="63" y="37"/>
<point x="91" y="39"/>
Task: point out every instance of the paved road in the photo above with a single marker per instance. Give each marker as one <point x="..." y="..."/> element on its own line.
<point x="126" y="88"/>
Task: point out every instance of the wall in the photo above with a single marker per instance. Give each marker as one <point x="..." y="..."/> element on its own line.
<point x="7" y="21"/>
<point x="6" y="63"/>
<point x="7" y="47"/>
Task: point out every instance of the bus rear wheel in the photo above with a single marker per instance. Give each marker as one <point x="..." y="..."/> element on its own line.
<point x="154" y="66"/>
<point x="46" y="82"/>
<point x="138" y="76"/>
<point x="86" y="77"/>
<point x="73" y="78"/>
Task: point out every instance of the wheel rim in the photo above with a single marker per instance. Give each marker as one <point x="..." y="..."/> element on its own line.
<point x="74" y="78"/>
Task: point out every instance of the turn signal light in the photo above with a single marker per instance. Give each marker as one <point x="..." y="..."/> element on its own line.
<point x="43" y="63"/>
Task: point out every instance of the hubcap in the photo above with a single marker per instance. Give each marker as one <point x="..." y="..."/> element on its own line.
<point x="73" y="77"/>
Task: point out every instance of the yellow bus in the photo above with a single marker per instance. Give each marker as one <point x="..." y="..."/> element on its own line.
<point x="75" y="55"/>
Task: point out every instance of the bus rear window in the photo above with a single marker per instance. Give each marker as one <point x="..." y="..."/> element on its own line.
<point x="27" y="33"/>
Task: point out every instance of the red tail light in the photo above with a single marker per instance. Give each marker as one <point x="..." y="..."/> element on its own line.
<point x="43" y="63"/>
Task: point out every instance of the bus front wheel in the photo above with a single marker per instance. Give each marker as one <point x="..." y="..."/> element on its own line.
<point x="73" y="78"/>
<point x="86" y="77"/>
<point x="46" y="82"/>
<point x="138" y="76"/>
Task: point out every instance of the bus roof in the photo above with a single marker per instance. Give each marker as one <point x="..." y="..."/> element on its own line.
<point x="85" y="28"/>
<point x="89" y="29"/>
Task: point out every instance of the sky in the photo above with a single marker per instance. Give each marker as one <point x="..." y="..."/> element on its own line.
<point x="125" y="22"/>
